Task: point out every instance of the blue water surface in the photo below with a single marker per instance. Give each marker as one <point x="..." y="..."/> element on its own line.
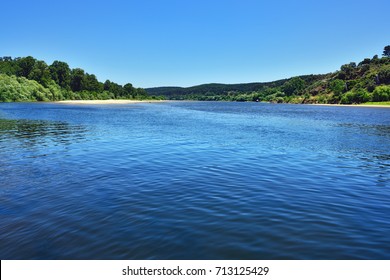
<point x="194" y="180"/>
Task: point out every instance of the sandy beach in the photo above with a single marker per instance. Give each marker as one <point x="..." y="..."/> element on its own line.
<point x="103" y="102"/>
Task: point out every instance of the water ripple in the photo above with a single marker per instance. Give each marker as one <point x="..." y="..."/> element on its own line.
<point x="194" y="180"/>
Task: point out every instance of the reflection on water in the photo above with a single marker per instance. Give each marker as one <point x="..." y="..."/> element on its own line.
<point x="28" y="146"/>
<point x="37" y="132"/>
<point x="194" y="180"/>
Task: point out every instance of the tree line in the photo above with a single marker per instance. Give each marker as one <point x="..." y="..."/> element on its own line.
<point x="29" y="79"/>
<point x="366" y="81"/>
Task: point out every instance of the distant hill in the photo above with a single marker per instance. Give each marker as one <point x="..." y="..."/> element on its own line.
<point x="366" y="81"/>
<point x="221" y="89"/>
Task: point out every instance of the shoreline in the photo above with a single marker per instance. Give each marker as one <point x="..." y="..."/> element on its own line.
<point x="132" y="101"/>
<point x="105" y="102"/>
<point x="352" y="105"/>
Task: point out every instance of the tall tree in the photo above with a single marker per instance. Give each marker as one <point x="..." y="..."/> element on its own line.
<point x="40" y="73"/>
<point x="92" y="84"/>
<point x="129" y="90"/>
<point x="60" y="73"/>
<point x="77" y="79"/>
<point x="26" y="65"/>
<point x="348" y="71"/>
<point x="114" y="88"/>
<point x="386" y="51"/>
<point x="9" y="66"/>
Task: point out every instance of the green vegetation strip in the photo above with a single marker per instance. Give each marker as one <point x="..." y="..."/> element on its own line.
<point x="367" y="81"/>
<point x="385" y="103"/>
<point x="29" y="79"/>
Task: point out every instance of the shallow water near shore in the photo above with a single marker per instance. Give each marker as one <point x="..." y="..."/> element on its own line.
<point x="194" y="180"/>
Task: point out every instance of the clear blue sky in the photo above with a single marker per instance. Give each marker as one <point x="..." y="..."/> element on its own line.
<point x="187" y="42"/>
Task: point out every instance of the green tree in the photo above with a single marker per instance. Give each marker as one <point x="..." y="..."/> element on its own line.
<point x="381" y="93"/>
<point x="77" y="79"/>
<point x="28" y="79"/>
<point x="92" y="84"/>
<point x="60" y="73"/>
<point x="116" y="89"/>
<point x="347" y="71"/>
<point x="294" y="86"/>
<point x="26" y="65"/>
<point x="141" y="93"/>
<point x="337" y="86"/>
<point x="384" y="75"/>
<point x="14" y="89"/>
<point x="40" y="73"/>
<point x="366" y="61"/>
<point x="356" y="96"/>
<point x="129" y="90"/>
<point x="106" y="85"/>
<point x="9" y="66"/>
<point x="386" y="51"/>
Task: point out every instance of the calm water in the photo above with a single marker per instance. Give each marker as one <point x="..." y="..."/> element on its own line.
<point x="194" y="180"/>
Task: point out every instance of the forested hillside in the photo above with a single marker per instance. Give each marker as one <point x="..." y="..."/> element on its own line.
<point x="366" y="81"/>
<point x="29" y="79"/>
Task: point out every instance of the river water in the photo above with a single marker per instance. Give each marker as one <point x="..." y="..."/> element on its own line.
<point x="194" y="180"/>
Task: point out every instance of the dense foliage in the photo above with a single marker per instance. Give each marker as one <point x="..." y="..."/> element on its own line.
<point x="366" y="81"/>
<point x="29" y="79"/>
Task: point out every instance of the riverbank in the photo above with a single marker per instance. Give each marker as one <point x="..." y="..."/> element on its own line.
<point x="354" y="105"/>
<point x="105" y="102"/>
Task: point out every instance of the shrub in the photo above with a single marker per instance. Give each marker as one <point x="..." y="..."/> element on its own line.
<point x="337" y="86"/>
<point x="356" y="96"/>
<point x="381" y="93"/>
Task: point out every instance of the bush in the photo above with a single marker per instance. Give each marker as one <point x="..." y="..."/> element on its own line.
<point x="381" y="93"/>
<point x="356" y="96"/>
<point x="14" y="88"/>
<point x="294" y="86"/>
<point x="337" y="86"/>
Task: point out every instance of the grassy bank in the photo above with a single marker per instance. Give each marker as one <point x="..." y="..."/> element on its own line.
<point x="384" y="103"/>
